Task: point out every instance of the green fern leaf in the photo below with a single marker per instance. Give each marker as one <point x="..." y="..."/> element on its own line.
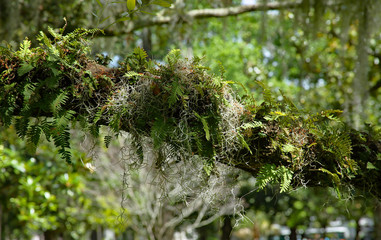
<point x="24" y="69"/>
<point x="176" y="93"/>
<point x="173" y="57"/>
<point x="58" y="102"/>
<point x="107" y="140"/>
<point x="204" y="124"/>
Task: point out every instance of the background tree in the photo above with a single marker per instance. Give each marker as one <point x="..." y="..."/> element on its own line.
<point x="41" y="195"/>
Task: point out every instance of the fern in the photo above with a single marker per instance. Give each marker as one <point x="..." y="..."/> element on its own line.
<point x="159" y="132"/>
<point x="253" y="125"/>
<point x="335" y="178"/>
<point x="204" y="124"/>
<point x="269" y="173"/>
<point x="21" y="125"/>
<point x="107" y="140"/>
<point x="288" y="102"/>
<point x="131" y="74"/>
<point x="59" y="101"/>
<point x="137" y="61"/>
<point x="24" y="53"/>
<point x="24" y="69"/>
<point x="33" y="134"/>
<point x="29" y="89"/>
<point x="176" y="93"/>
<point x="61" y="137"/>
<point x="267" y="94"/>
<point x="173" y="57"/>
<point x="222" y="69"/>
<point x="244" y="143"/>
<point x="43" y="39"/>
<point x="115" y="122"/>
<point x="140" y="55"/>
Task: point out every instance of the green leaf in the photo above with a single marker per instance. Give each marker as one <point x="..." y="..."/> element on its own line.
<point x="204" y="124"/>
<point x="25" y="68"/>
<point x="107" y="140"/>
<point x="287" y="148"/>
<point x="131" y="4"/>
<point x="99" y="3"/>
<point x="162" y="3"/>
<point x="104" y="19"/>
<point x="244" y="143"/>
<point x="370" y="165"/>
<point x="123" y="19"/>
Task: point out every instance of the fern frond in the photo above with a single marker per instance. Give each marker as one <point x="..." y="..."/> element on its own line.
<point x="333" y="176"/>
<point x="59" y="101"/>
<point x="107" y="140"/>
<point x="176" y="93"/>
<point x="21" y="125"/>
<point x="131" y="74"/>
<point x="24" y="52"/>
<point x="159" y="132"/>
<point x="33" y="134"/>
<point x="140" y="54"/>
<point x="269" y="173"/>
<point x="253" y="124"/>
<point x="286" y="179"/>
<point x="267" y="94"/>
<point x="204" y="124"/>
<point x="173" y="57"/>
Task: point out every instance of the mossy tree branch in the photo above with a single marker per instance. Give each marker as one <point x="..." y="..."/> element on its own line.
<point x="187" y="113"/>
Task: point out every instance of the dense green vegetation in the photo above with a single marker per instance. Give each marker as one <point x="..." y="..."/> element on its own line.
<point x="179" y="111"/>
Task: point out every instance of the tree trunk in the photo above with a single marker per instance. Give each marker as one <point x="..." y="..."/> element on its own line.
<point x="360" y="85"/>
<point x="377" y="221"/>
<point x="293" y="235"/>
<point x="51" y="235"/>
<point x="147" y="41"/>
<point x="202" y="232"/>
<point x="358" y="228"/>
<point x="227" y="228"/>
<point x="1" y="222"/>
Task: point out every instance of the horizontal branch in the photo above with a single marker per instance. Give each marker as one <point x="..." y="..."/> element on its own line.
<point x="201" y="14"/>
<point x="188" y="115"/>
<point x="207" y="13"/>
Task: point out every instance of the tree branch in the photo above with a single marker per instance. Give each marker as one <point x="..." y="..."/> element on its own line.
<point x="186" y="112"/>
<point x="208" y="13"/>
<point x="201" y="14"/>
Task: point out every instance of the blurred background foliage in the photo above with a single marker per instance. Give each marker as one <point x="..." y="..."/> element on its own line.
<point x="42" y="195"/>
<point x="322" y="57"/>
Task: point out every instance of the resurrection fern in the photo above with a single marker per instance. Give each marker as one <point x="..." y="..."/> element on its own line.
<point x="176" y="93"/>
<point x="270" y="173"/>
<point x="42" y="72"/>
<point x="173" y="57"/>
<point x="137" y="61"/>
<point x="57" y="103"/>
<point x="160" y="130"/>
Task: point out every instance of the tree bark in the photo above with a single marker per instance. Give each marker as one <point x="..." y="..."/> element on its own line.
<point x="293" y="234"/>
<point x="377" y="221"/>
<point x="51" y="235"/>
<point x="227" y="228"/>
<point x="360" y="84"/>
<point x="1" y="220"/>
<point x="358" y="229"/>
<point x="147" y="41"/>
<point x="202" y="232"/>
